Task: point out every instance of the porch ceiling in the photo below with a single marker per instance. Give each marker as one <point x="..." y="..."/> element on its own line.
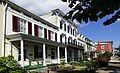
<point x="17" y="37"/>
<point x="76" y="47"/>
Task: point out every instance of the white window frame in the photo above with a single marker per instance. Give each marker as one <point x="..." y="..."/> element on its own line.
<point x="40" y="32"/>
<point x="22" y="25"/>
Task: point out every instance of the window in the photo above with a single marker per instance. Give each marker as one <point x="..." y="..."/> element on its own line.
<point x="52" y="35"/>
<point x="102" y="47"/>
<point x="19" y="24"/>
<point x="53" y="52"/>
<point x="40" y="32"/>
<point x="45" y="33"/>
<point x="68" y="28"/>
<point x="62" y="25"/>
<point x="61" y="38"/>
<point x="69" y="40"/>
<point x="62" y="53"/>
<point x="29" y="28"/>
<point x="71" y="30"/>
<point x="22" y="24"/>
<point x="38" y="52"/>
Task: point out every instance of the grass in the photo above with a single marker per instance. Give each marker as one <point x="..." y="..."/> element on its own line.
<point x="34" y="67"/>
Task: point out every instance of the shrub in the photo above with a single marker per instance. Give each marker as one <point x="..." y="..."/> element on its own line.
<point x="9" y="65"/>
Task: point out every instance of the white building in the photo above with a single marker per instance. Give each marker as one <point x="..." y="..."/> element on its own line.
<point x="49" y="39"/>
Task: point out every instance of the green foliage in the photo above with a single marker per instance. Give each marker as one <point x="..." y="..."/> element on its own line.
<point x="105" y="55"/>
<point x="34" y="67"/>
<point x="9" y="65"/>
<point x="63" y="63"/>
<point x="93" y="10"/>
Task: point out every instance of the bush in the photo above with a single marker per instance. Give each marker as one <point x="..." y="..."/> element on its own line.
<point x="9" y="65"/>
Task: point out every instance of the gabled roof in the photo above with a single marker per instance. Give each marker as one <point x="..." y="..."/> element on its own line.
<point x="61" y="14"/>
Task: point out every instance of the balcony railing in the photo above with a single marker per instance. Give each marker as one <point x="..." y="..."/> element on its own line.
<point x="74" y="45"/>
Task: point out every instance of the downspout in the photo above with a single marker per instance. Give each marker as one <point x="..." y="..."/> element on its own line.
<point x="5" y="17"/>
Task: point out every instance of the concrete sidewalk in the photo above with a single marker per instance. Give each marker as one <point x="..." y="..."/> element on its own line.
<point x="113" y="67"/>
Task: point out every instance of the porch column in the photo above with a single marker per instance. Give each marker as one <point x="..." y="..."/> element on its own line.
<point x="22" y="52"/>
<point x="82" y="55"/>
<point x="58" y="52"/>
<point x="65" y="55"/>
<point x="44" y="55"/>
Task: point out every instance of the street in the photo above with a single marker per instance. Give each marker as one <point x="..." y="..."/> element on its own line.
<point x="114" y="67"/>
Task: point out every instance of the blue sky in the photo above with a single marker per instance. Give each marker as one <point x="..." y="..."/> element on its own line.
<point x="96" y="31"/>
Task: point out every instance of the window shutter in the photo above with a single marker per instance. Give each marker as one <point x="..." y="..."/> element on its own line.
<point x="15" y="24"/>
<point x="60" y="24"/>
<point x="61" y="38"/>
<point x="65" y="39"/>
<point x="56" y="37"/>
<point x="71" y="30"/>
<point x="64" y="27"/>
<point x="68" y="41"/>
<point x="29" y="28"/>
<point x="45" y="33"/>
<point x="36" y="30"/>
<point x="68" y="28"/>
<point x="49" y="34"/>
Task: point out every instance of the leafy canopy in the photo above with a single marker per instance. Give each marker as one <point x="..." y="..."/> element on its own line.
<point x="93" y="10"/>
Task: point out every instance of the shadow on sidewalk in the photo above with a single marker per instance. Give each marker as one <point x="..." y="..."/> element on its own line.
<point x="114" y="67"/>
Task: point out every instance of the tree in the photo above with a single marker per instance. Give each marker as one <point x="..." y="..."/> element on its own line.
<point x="93" y="10"/>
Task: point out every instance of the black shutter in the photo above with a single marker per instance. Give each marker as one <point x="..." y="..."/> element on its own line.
<point x="61" y="38"/>
<point x="49" y="34"/>
<point x="29" y="28"/>
<point x="45" y="33"/>
<point x="68" y="28"/>
<point x="60" y="24"/>
<point x="15" y="24"/>
<point x="64" y="27"/>
<point x="56" y="37"/>
<point x="36" y="30"/>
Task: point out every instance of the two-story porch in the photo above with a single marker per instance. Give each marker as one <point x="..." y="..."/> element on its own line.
<point x="31" y="50"/>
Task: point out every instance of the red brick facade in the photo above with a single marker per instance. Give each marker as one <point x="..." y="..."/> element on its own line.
<point x="104" y="46"/>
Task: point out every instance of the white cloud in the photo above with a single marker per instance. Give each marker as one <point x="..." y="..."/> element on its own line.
<point x="42" y="6"/>
<point x="118" y="19"/>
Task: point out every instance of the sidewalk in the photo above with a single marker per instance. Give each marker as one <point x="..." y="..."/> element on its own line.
<point x="114" y="67"/>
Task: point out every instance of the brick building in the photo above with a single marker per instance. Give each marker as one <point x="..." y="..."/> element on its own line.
<point x="104" y="46"/>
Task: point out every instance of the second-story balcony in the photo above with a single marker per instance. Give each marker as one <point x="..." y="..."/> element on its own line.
<point x="73" y="45"/>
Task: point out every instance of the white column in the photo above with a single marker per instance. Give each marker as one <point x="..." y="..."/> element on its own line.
<point x="65" y="55"/>
<point x="58" y="52"/>
<point x="44" y="55"/>
<point x="22" y="53"/>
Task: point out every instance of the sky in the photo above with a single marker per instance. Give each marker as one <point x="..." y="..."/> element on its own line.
<point x="95" y="31"/>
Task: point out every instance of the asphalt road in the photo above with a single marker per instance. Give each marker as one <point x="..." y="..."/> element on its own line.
<point x="113" y="67"/>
